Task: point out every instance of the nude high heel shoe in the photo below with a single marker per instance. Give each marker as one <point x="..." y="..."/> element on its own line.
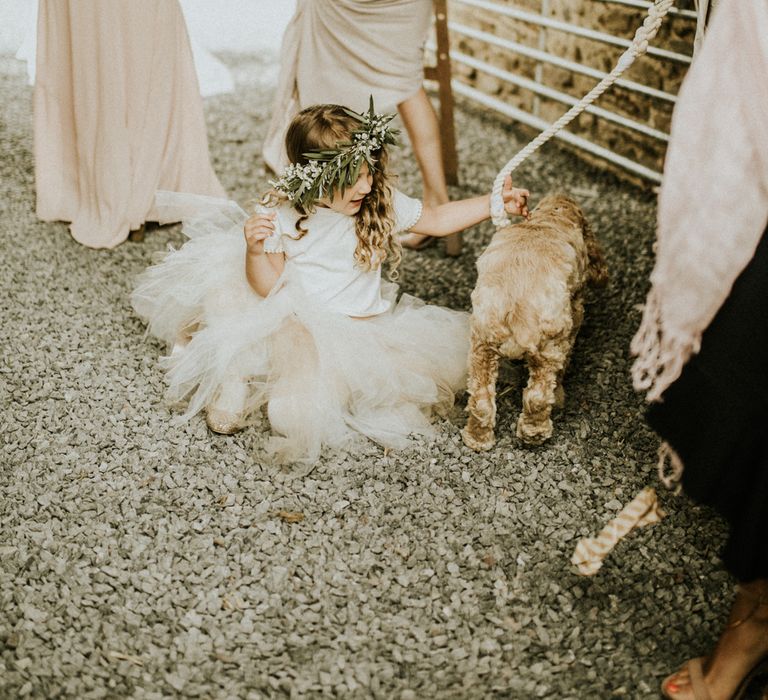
<point x="695" y="667"/>
<point x="138" y="234"/>
<point x="416" y="241"/>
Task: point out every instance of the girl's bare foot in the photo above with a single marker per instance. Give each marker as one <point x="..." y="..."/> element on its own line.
<point x="742" y="647"/>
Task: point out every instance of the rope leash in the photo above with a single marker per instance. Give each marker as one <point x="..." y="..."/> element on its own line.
<point x="638" y="47"/>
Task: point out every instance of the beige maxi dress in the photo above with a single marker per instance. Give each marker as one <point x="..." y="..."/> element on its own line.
<point x="117" y="115"/>
<point x="344" y="51"/>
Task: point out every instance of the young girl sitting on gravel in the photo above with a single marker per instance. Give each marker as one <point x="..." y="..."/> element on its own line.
<point x="294" y="315"/>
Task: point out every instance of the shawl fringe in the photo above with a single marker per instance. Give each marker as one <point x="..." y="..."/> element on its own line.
<point x="670" y="467"/>
<point x="660" y="355"/>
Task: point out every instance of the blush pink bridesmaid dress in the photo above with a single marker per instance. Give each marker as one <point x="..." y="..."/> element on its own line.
<point x="117" y="115"/>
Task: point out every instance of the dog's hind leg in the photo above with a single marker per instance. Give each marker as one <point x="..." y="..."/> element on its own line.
<point x="483" y="371"/>
<point x="577" y="316"/>
<point x="545" y="371"/>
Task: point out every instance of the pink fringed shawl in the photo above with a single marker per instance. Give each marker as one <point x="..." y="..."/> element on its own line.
<point x="713" y="203"/>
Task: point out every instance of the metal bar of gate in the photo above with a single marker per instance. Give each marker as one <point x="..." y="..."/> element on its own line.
<point x="533" y="18"/>
<point x="644" y="5"/>
<point x="538" y="55"/>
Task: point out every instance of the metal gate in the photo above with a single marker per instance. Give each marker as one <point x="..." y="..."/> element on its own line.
<point x="531" y="60"/>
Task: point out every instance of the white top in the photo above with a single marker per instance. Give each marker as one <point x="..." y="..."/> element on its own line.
<point x="323" y="260"/>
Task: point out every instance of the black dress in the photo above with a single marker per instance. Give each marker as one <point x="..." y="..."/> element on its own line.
<point x="715" y="416"/>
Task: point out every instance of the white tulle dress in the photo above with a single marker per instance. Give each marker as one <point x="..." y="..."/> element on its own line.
<point x="330" y="353"/>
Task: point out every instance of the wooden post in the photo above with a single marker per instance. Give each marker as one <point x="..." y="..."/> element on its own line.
<point x="441" y="72"/>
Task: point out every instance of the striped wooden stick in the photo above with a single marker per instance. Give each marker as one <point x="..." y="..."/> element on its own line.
<point x="591" y="551"/>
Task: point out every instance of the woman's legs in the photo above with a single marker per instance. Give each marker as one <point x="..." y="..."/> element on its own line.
<point x="742" y="644"/>
<point x="423" y="128"/>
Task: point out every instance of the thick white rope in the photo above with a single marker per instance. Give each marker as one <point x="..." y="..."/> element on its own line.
<point x="639" y="46"/>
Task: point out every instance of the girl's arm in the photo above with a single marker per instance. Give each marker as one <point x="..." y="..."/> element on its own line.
<point x="451" y="217"/>
<point x="261" y="269"/>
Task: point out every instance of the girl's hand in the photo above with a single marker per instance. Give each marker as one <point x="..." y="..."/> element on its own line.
<point x="515" y="199"/>
<point x="256" y="229"/>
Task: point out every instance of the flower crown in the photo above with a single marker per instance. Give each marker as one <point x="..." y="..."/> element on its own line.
<point x="330" y="169"/>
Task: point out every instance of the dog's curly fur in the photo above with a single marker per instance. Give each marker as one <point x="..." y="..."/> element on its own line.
<point x="528" y="304"/>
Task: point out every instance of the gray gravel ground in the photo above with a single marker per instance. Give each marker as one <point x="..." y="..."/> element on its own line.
<point x="140" y="559"/>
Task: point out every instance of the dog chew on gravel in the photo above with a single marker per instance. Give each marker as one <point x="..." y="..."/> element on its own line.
<point x="528" y="304"/>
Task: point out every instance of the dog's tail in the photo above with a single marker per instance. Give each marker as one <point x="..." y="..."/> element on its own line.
<point x="597" y="270"/>
<point x="524" y="325"/>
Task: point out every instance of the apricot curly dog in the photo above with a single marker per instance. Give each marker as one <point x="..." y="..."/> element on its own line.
<point x="528" y="304"/>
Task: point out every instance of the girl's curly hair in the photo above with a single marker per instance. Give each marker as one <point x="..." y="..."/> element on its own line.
<point x="325" y="127"/>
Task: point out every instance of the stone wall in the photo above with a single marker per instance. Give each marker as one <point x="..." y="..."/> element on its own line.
<point x="676" y="34"/>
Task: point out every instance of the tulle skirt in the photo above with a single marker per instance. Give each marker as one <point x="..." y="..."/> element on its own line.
<point x="325" y="379"/>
